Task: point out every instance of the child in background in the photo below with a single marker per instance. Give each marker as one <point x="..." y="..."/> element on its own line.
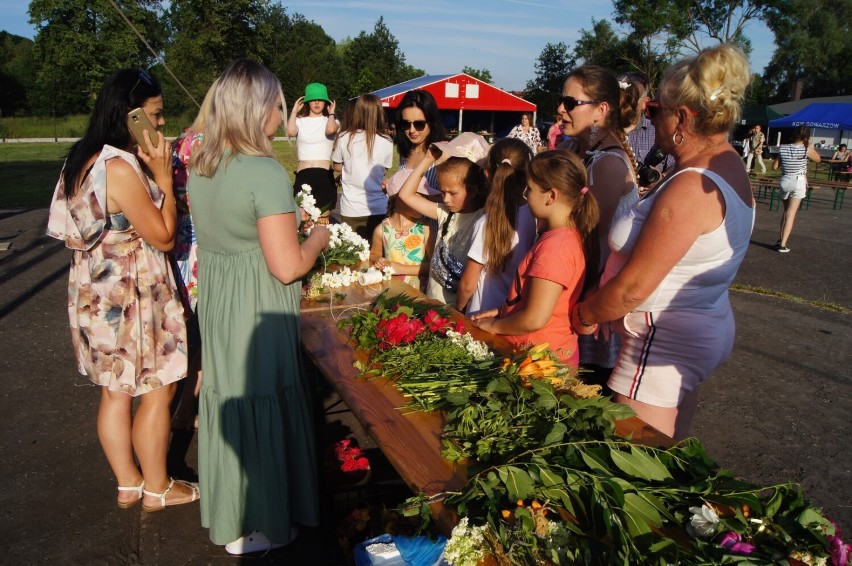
<point x="363" y="153"/>
<point x="550" y="278"/>
<point x="403" y="241"/>
<point x="463" y="193"/>
<point x="502" y="237"/>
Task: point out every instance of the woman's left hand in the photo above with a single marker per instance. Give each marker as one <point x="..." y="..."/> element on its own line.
<point x="157" y="159"/>
<point x="578" y="324"/>
<point x="331" y="107"/>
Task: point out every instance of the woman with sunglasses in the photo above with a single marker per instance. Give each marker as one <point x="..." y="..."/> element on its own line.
<point x="595" y="111"/>
<point x="674" y="256"/>
<point x="127" y="322"/>
<point x="418" y="126"/>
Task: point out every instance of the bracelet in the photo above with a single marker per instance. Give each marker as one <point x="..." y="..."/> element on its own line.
<point x="583" y="320"/>
<point x="322" y="220"/>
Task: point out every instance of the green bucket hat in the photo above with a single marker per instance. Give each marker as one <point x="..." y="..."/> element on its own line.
<point x="316" y="91"/>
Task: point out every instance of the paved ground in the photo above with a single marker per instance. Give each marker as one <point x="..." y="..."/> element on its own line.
<point x="778" y="410"/>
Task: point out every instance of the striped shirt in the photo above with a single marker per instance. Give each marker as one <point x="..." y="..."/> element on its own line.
<point x="794" y="159"/>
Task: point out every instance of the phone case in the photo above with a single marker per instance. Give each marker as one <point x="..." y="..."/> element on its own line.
<point x="137" y="122"/>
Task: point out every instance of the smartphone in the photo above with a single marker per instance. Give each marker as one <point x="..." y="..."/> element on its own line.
<point x="137" y="122"/>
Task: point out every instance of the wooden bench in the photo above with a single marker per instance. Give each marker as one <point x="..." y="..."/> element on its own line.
<point x="839" y="188"/>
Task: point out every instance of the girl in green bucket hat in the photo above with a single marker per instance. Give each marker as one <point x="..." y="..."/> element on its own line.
<point x="313" y="124"/>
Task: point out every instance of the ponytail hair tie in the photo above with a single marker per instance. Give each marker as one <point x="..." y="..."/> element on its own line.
<point x="584" y="190"/>
<point x="506" y="162"/>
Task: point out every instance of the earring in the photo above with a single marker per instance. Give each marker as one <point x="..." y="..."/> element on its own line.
<point x="594" y="133"/>
<point x="675" y="140"/>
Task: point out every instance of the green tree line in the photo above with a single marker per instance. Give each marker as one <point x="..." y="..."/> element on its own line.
<point x="79" y="42"/>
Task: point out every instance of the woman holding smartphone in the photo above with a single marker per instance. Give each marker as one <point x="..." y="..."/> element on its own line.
<point x="127" y="322"/>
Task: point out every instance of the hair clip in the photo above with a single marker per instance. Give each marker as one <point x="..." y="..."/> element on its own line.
<point x="623" y="85"/>
<point x="506" y="162"/>
<point x="584" y="190"/>
<point x="715" y="94"/>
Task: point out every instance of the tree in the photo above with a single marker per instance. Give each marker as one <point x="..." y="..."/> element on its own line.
<point x="79" y="43"/>
<point x="17" y="73"/>
<point x="482" y="74"/>
<point x="301" y="53"/>
<point x="206" y="35"/>
<point x="813" y="41"/>
<point x="374" y="61"/>
<point x="551" y="68"/>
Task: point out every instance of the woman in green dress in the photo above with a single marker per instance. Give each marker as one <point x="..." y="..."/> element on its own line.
<point x="256" y="450"/>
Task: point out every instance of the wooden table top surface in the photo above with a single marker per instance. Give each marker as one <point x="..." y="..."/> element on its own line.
<point x="411" y="442"/>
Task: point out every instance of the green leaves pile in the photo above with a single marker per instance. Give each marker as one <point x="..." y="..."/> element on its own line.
<point x="550" y="482"/>
<point x="612" y="500"/>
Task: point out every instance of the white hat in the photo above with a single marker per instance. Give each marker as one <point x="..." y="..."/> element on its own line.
<point x="467" y="145"/>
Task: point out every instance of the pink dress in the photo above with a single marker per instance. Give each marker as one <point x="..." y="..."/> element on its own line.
<point x="127" y="321"/>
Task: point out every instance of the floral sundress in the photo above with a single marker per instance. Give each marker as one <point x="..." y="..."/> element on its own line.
<point x="407" y="247"/>
<point x="127" y="321"/>
<point x="185" y="252"/>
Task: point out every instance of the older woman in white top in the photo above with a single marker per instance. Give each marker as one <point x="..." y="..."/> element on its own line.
<point x="675" y="254"/>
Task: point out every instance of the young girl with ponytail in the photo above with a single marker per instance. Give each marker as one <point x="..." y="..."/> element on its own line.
<point x="503" y="236"/>
<point x="550" y="278"/>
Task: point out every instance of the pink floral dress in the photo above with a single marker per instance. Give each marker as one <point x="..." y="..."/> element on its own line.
<point x="127" y="321"/>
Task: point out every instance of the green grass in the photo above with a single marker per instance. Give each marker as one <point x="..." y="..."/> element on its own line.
<point x="29" y="171"/>
<point x="66" y="126"/>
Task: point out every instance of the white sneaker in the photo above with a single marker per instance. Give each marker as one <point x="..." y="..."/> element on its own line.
<point x="255" y="541"/>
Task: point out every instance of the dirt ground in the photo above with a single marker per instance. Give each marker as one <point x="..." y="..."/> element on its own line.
<point x="776" y="411"/>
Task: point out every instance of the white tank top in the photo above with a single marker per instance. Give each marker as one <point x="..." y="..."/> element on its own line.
<point x="700" y="280"/>
<point x="311" y="142"/>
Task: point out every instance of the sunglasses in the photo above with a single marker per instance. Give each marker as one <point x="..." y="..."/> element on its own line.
<point x="570" y="103"/>
<point x="419" y="125"/>
<point x="652" y="109"/>
<point x="143" y="77"/>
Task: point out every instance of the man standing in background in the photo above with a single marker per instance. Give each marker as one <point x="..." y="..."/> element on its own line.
<point x="757" y="140"/>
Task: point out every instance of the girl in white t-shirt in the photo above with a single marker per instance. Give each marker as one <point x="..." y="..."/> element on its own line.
<point x="363" y="154"/>
<point x="463" y="192"/>
<point x="313" y="123"/>
<point x="503" y="235"/>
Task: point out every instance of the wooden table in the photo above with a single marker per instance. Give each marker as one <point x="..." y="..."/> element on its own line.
<point x="411" y="442"/>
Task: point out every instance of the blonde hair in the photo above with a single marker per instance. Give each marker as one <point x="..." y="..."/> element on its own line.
<point x="245" y="95"/>
<point x="713" y="84"/>
<point x="204" y="110"/>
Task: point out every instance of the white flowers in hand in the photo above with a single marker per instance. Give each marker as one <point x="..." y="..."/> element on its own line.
<point x="346" y="277"/>
<point x="305" y="199"/>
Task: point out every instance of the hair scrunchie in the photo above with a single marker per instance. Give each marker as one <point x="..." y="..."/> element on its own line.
<point x="584" y="190"/>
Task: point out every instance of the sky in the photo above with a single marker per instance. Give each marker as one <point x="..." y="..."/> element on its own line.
<point x="443" y="36"/>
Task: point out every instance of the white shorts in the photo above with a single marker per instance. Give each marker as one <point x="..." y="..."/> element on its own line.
<point x="666" y="354"/>
<point x="793" y="186"/>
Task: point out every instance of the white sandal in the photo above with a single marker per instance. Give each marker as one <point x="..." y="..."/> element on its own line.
<point x="195" y="496"/>
<point x="139" y="489"/>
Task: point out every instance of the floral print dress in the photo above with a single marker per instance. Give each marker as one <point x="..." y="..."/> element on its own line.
<point x="127" y="321"/>
<point x="407" y="247"/>
<point x="185" y="252"/>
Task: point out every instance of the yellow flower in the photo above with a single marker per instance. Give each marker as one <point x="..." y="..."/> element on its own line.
<point x="413" y="241"/>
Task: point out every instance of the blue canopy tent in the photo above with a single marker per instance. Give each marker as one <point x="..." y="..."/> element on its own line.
<point x="832" y="117"/>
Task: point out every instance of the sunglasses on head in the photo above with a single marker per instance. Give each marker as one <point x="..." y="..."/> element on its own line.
<point x="419" y="125"/>
<point x="143" y="77"/>
<point x="570" y="103"/>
